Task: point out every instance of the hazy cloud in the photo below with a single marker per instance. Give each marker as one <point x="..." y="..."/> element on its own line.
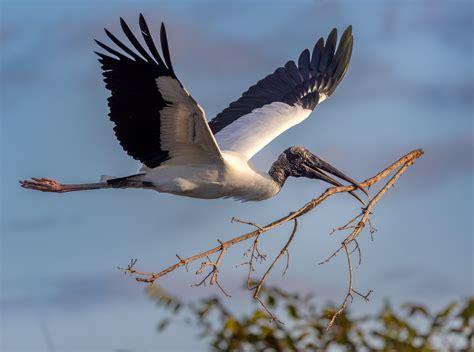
<point x="75" y="292"/>
<point x="31" y="224"/>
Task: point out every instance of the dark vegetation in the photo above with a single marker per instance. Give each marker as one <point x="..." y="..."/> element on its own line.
<point x="410" y="327"/>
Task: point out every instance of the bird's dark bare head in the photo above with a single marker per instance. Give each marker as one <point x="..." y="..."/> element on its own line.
<point x="300" y="162"/>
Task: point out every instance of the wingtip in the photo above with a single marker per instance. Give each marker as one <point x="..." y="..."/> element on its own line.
<point x="304" y="54"/>
<point x="289" y="63"/>
<point x="332" y="37"/>
<point x="123" y="24"/>
<point x="320" y="43"/>
<point x="99" y="43"/>
<point x="101" y="57"/>
<point x="143" y="26"/>
<point x="348" y="31"/>
<point x="142" y="21"/>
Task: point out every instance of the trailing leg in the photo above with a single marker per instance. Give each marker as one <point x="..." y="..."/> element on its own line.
<point x="49" y="185"/>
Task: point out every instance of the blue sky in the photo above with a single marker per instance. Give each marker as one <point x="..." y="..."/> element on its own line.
<point x="410" y="85"/>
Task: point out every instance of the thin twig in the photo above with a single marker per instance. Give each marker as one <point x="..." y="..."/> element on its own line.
<point x="255" y="255"/>
<point x="349" y="290"/>
<point x="213" y="274"/>
<point x="234" y="219"/>
<point x="259" y="286"/>
<point x="347" y="225"/>
<point x="287" y="262"/>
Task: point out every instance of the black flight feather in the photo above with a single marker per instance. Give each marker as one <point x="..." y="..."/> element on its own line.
<point x="165" y="49"/>
<point x="149" y="41"/>
<point x="122" y="46"/>
<point x="328" y="51"/>
<point x="134" y="41"/>
<point x="303" y="64"/>
<point x="110" y="50"/>
<point x="318" y="51"/>
<point x="135" y="102"/>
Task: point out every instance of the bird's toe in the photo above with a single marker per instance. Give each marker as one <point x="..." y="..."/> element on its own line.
<point x="42" y="184"/>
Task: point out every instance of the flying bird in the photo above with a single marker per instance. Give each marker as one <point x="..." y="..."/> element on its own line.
<point x="159" y="123"/>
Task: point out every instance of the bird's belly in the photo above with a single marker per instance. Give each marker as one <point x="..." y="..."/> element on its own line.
<point x="196" y="182"/>
<point x="242" y="191"/>
<point x="189" y="188"/>
<point x="234" y="180"/>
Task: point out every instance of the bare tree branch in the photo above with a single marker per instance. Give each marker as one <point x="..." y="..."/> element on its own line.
<point x="259" y="286"/>
<point x="401" y="165"/>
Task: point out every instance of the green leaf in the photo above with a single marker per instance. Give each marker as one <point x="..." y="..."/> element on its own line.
<point x="450" y="307"/>
<point x="292" y="311"/>
<point x="270" y="301"/>
<point x="232" y="325"/>
<point x="258" y="315"/>
<point x="467" y="312"/>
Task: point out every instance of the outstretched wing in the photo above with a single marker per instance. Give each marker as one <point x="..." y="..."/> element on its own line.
<point x="284" y="98"/>
<point x="155" y="117"/>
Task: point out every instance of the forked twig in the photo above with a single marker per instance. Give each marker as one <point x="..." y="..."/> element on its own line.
<point x="284" y="250"/>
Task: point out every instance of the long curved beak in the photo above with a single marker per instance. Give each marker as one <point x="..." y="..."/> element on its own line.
<point x="316" y="168"/>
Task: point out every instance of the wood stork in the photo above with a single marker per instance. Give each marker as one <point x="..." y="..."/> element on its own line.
<point x="159" y="123"/>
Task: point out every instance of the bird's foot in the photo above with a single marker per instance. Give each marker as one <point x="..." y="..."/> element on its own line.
<point x="43" y="185"/>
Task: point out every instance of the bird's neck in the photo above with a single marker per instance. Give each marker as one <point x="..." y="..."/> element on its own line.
<point x="278" y="173"/>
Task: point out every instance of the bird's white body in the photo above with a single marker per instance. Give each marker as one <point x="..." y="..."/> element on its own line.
<point x="234" y="176"/>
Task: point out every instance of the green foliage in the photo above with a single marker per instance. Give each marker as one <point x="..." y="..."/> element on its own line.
<point x="412" y="328"/>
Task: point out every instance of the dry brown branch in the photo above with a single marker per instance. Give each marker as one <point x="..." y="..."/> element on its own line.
<point x="259" y="286"/>
<point x="213" y="274"/>
<point x="255" y="255"/>
<point x="400" y="165"/>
